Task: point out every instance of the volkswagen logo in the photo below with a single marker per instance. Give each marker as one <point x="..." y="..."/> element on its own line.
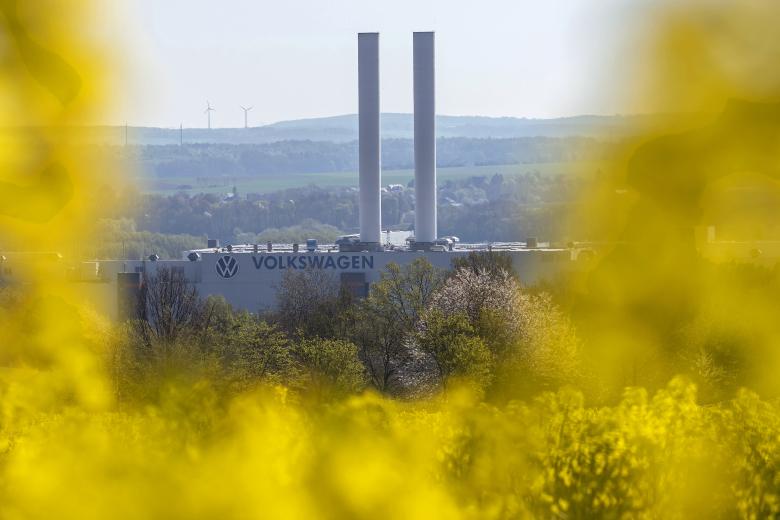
<point x="227" y="266"/>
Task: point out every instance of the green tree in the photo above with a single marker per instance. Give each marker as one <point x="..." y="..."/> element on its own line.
<point x="330" y="368"/>
<point x="405" y="292"/>
<point x="532" y="342"/>
<point x="459" y="354"/>
<point x="381" y="341"/>
<point x="547" y="354"/>
<point x="387" y="319"/>
<point x="119" y="239"/>
<point x="490" y="300"/>
<point x="256" y="352"/>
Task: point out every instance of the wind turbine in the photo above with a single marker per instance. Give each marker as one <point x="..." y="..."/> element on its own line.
<point x="208" y="112"/>
<point x="246" y="111"/>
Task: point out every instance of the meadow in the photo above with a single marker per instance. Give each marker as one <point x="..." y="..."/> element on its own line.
<point x="350" y="179"/>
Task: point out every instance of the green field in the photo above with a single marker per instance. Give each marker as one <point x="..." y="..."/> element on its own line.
<point x="297" y="180"/>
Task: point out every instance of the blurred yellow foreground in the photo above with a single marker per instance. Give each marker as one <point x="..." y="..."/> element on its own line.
<point x="71" y="448"/>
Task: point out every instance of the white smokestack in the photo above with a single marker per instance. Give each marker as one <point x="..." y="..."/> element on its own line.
<point x="424" y="138"/>
<point x="369" y="141"/>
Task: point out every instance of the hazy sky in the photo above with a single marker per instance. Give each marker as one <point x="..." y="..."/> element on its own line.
<point x="295" y="59"/>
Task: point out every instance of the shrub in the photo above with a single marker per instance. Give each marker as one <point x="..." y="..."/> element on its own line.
<point x="459" y="354"/>
<point x="331" y="368"/>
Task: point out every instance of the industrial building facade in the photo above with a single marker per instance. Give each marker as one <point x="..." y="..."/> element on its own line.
<point x="250" y="281"/>
<point x="248" y="278"/>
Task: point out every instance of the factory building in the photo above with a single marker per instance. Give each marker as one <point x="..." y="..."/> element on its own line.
<point x="249" y="280"/>
<point x="248" y="276"/>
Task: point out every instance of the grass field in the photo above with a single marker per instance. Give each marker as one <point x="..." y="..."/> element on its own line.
<point x="297" y="180"/>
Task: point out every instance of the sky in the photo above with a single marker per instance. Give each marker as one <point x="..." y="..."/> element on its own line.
<point x="298" y="59"/>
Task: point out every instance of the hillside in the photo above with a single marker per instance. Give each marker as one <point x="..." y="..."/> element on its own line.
<point x="202" y="166"/>
<point x="344" y="128"/>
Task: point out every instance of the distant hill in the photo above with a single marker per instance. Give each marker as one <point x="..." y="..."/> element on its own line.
<point x="401" y="126"/>
<point x="344" y="128"/>
<point x="263" y="160"/>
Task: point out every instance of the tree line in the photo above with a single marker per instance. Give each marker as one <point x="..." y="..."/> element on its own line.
<point x="419" y="330"/>
<point x="214" y="160"/>
<point x="477" y="209"/>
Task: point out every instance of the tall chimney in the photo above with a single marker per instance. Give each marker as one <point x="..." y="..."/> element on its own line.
<point x="424" y="138"/>
<point x="370" y="212"/>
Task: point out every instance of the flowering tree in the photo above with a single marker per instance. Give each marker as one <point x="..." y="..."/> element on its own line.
<point x="532" y="343"/>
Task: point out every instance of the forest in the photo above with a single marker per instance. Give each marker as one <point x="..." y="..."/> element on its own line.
<point x="216" y="160"/>
<point x="476" y="209"/>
